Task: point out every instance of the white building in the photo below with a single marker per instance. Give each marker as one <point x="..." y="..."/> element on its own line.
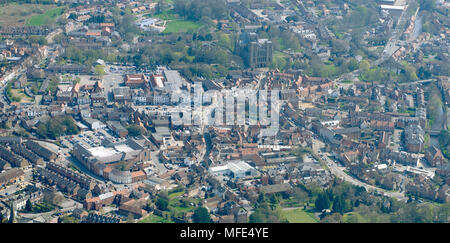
<point x="236" y="169"/>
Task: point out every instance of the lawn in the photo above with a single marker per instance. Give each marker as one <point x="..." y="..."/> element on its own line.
<point x="299" y="216"/>
<point x="154" y="219"/>
<point x="179" y="207"/>
<point x="178" y="26"/>
<point x="175" y="194"/>
<point x="20" y="96"/>
<point x="45" y="18"/>
<point x="279" y="54"/>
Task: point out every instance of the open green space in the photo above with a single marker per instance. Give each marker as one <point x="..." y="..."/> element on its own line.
<point x="179" y="26"/>
<point x="154" y="219"/>
<point x="46" y="18"/>
<point x="14" y="14"/>
<point x="299" y="216"/>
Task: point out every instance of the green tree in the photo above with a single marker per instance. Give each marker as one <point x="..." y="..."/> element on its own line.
<point x="322" y="202"/>
<point x="134" y="130"/>
<point x="364" y="66"/>
<point x="162" y="203"/>
<point x="11" y="216"/>
<point x="265" y="214"/>
<point x="29" y="206"/>
<point x="338" y="205"/>
<point x="99" y="70"/>
<point x="201" y="215"/>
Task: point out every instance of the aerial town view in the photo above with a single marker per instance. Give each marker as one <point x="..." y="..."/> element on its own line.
<point x="224" y="111"/>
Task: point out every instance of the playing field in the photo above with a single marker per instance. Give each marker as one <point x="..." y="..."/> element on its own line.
<point x="178" y="26"/>
<point x="299" y="216"/>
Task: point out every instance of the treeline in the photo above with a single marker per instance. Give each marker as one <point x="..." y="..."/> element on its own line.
<point x="282" y="39"/>
<point x="126" y="25"/>
<point x="57" y="126"/>
<point x="84" y="56"/>
<point x="444" y="141"/>
<point x="344" y="202"/>
<point x="191" y="57"/>
<point x="434" y="104"/>
<point x="197" y="9"/>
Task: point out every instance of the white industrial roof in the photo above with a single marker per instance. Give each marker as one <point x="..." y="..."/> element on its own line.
<point x="102" y="151"/>
<point x="391" y="7"/>
<point x="123" y="148"/>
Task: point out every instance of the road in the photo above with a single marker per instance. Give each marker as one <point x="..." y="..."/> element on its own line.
<point x="338" y="171"/>
<point x="392" y="44"/>
<point x="159" y="166"/>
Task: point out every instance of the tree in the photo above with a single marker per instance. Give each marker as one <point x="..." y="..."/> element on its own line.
<point x="410" y="73"/>
<point x="160" y="6"/>
<point x="162" y="203"/>
<point x="29" y="206"/>
<point x="364" y="66"/>
<point x="134" y="130"/>
<point x="99" y="70"/>
<point x="352" y="64"/>
<point x="201" y="215"/>
<point x="339" y="205"/>
<point x="322" y="202"/>
<point x="300" y="195"/>
<point x="266" y="214"/>
<point x="428" y="5"/>
<point x="73" y="16"/>
<point x="11" y="216"/>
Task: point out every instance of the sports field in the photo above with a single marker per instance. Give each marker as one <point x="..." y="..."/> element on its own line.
<point x="178" y="26"/>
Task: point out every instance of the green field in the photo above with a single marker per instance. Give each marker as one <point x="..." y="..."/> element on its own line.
<point x="17" y="95"/>
<point x="45" y="18"/>
<point x="179" y="26"/>
<point x="299" y="216"/>
<point x="154" y="219"/>
<point x="14" y="14"/>
<point x="175" y="194"/>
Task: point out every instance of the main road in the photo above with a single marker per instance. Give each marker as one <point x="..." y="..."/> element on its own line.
<point x="339" y="172"/>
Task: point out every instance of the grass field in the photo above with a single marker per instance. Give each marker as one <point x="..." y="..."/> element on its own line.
<point x="154" y="219"/>
<point x="45" y="18"/>
<point x="23" y="97"/>
<point x="299" y="216"/>
<point x="14" y="14"/>
<point x="175" y="194"/>
<point x="178" y="26"/>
